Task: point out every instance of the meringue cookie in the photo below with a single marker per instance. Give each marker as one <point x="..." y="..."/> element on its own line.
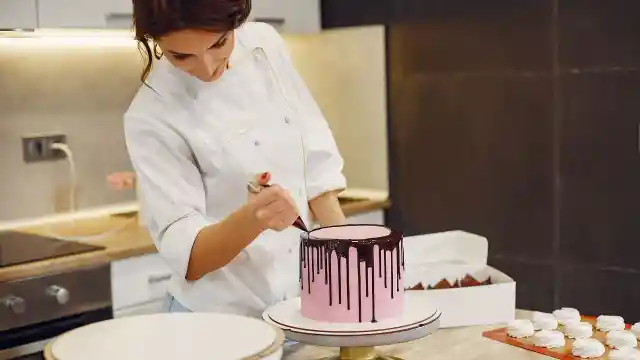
<point x="635" y="329"/>
<point x="627" y="353"/>
<point x="520" y="328"/>
<point x="544" y="321"/>
<point x="567" y="315"/>
<point x="587" y="348"/>
<point x="579" y="330"/>
<point x="621" y="338"/>
<point x="608" y="323"/>
<point x="549" y="339"/>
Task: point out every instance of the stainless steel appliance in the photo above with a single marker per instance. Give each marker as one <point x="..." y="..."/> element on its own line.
<point x="35" y="310"/>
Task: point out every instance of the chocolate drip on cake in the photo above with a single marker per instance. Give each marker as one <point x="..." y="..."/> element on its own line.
<point x="308" y="250"/>
<point x="330" y="283"/>
<point x="366" y="282"/>
<point x="365" y="253"/>
<point x="326" y="266"/>
<point x="348" y="282"/>
<point x="339" y="281"/>
<point x="385" y="270"/>
<point x="303" y="263"/>
<point x="380" y="261"/>
<point x="359" y="294"/>
<point x="313" y="264"/>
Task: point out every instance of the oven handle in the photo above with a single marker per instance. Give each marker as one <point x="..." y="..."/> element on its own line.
<point x="33" y="349"/>
<point x="26" y="337"/>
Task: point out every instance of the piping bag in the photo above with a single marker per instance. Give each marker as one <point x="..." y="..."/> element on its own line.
<point x="263" y="182"/>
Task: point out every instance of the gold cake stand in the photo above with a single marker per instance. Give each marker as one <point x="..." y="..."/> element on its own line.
<point x="357" y="341"/>
<point x="360" y="353"/>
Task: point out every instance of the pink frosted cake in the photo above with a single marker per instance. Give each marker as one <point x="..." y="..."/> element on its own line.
<point x="352" y="273"/>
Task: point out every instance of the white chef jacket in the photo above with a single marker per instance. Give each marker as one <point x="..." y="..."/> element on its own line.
<point x="195" y="146"/>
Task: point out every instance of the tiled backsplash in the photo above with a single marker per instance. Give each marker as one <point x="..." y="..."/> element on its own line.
<point x="79" y="91"/>
<point x="82" y="91"/>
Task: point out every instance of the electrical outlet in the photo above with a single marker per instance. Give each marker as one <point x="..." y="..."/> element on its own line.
<point x="38" y="148"/>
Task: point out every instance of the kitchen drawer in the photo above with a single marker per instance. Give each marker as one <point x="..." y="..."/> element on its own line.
<point x="152" y="307"/>
<point x="139" y="280"/>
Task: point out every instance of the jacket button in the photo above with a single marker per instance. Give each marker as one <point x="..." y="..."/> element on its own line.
<point x="256" y="142"/>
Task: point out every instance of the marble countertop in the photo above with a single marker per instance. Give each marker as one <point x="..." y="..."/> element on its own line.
<point x="464" y="343"/>
<point x="129" y="241"/>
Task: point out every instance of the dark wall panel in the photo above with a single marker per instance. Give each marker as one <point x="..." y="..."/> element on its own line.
<point x="339" y="13"/>
<point x="475" y="154"/>
<point x="600" y="169"/>
<point x="535" y="283"/>
<point x="518" y="120"/>
<point x="598" y="290"/>
<point x="599" y="34"/>
<point x="466" y="36"/>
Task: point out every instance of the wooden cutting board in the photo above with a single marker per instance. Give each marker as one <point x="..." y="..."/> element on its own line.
<point x="559" y="353"/>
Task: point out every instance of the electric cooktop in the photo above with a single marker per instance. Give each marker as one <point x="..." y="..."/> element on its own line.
<point x="20" y="248"/>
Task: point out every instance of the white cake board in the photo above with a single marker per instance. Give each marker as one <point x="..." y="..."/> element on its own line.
<point x="419" y="320"/>
<point x="170" y="336"/>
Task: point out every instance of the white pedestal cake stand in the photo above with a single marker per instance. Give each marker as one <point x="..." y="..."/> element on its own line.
<point x="357" y="341"/>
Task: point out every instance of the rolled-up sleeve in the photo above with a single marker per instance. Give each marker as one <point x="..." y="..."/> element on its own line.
<point x="170" y="189"/>
<point x="324" y="164"/>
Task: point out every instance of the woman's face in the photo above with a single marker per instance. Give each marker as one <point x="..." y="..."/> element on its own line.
<point x="200" y="53"/>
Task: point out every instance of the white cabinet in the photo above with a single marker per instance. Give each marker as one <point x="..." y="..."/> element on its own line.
<point x="18" y="14"/>
<point x="85" y="14"/>
<point x="375" y="217"/>
<point x="152" y="307"/>
<point x="288" y="16"/>
<point x="139" y="285"/>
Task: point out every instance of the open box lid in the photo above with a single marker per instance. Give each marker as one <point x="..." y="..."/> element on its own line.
<point x="450" y="255"/>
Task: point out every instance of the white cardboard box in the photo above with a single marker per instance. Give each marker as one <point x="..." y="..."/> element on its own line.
<point x="451" y="255"/>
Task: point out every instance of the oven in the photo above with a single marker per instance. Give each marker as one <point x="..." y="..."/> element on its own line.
<point x="35" y="310"/>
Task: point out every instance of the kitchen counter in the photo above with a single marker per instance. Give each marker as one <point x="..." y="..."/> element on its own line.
<point x="129" y="241"/>
<point x="465" y="343"/>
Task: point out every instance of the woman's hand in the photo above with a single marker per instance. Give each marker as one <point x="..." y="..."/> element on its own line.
<point x="122" y="180"/>
<point x="273" y="207"/>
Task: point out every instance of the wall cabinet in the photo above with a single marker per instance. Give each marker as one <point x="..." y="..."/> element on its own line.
<point x="18" y="14"/>
<point x="290" y="16"/>
<point x="85" y="14"/>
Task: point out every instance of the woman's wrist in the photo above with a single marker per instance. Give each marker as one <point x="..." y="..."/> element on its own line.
<point x="249" y="218"/>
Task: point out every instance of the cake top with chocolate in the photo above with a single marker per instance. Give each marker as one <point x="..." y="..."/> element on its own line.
<point x="352" y="235"/>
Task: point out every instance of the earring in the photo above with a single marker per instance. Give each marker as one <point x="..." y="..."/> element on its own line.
<point x="157" y="52"/>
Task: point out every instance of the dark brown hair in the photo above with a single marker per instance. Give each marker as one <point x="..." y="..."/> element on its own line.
<point x="156" y="18"/>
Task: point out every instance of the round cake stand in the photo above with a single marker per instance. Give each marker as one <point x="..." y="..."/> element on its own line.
<point x="357" y="341"/>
